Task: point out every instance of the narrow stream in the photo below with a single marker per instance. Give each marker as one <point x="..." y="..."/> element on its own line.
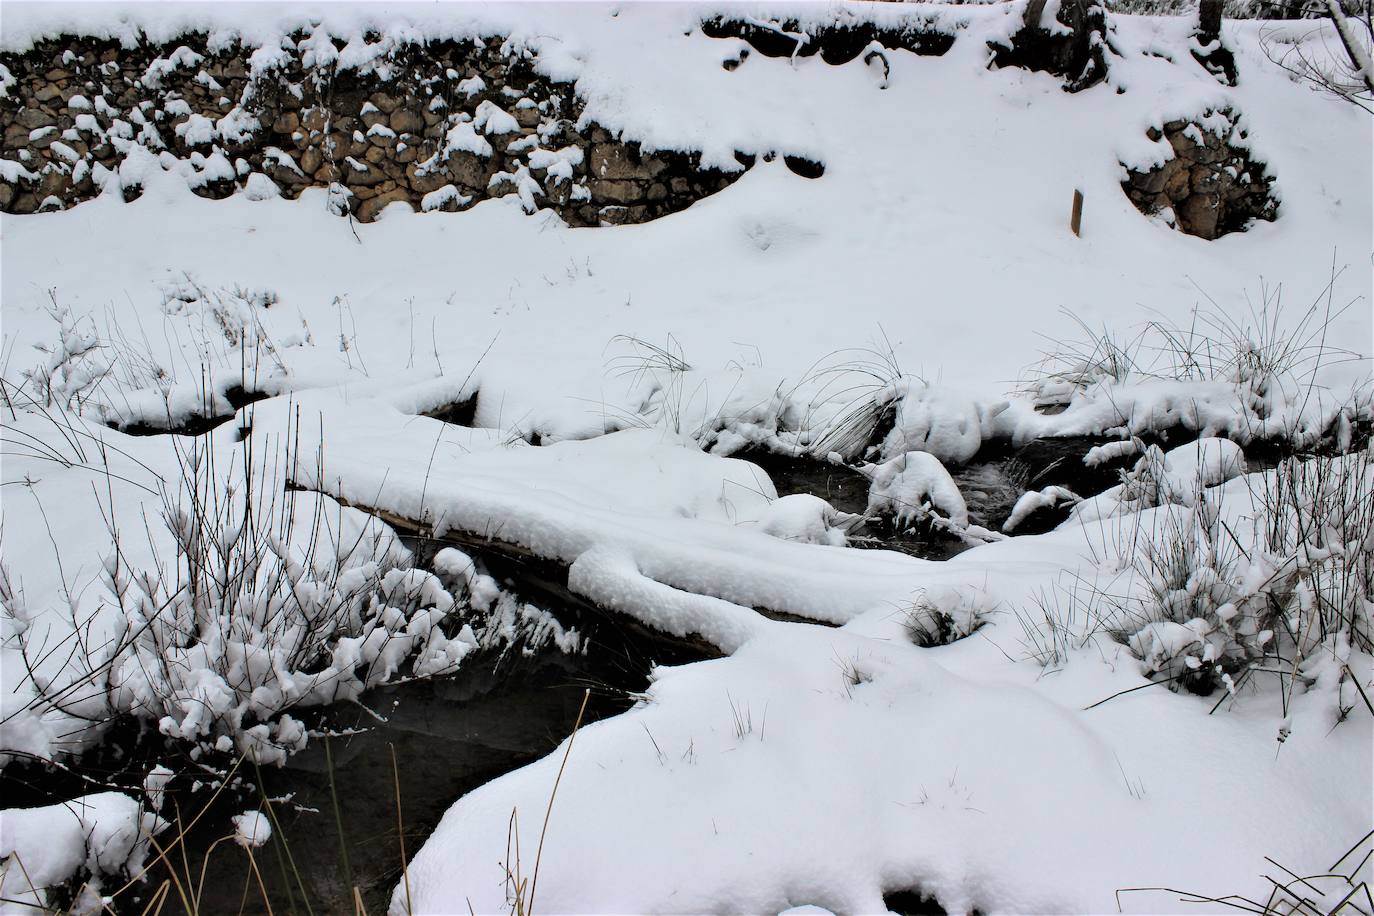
<point x="340" y="823"/>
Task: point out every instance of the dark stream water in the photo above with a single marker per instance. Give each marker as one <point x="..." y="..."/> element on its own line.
<point x="448" y="736"/>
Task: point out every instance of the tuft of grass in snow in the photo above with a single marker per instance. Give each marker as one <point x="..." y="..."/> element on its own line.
<point x="864" y="378"/>
<point x="1066" y="616"/>
<point x="1268" y="353"/>
<point x="940" y="616"/>
<point x="1342" y="888"/>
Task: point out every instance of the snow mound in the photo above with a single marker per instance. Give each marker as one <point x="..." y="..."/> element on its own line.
<point x="909" y="486"/>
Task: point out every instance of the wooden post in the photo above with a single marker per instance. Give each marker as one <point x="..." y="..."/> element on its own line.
<point x="1076" y="217"/>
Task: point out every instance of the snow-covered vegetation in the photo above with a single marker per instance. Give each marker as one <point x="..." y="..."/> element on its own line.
<point x="263" y="458"/>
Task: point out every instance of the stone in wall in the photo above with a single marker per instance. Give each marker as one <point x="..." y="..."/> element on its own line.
<point x="1211" y="184"/>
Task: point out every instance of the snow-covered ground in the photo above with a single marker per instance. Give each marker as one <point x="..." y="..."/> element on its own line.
<point x="823" y="763"/>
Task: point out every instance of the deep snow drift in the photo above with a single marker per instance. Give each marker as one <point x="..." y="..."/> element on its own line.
<point x="826" y="762"/>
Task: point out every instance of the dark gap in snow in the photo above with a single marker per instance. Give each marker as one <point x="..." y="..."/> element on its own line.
<point x="1074" y="47"/>
<point x="194" y="424"/>
<point x="544" y="583"/>
<point x="806" y="168"/>
<point x="846" y="489"/>
<point x="837" y="44"/>
<point x="915" y="903"/>
<point x="460" y="413"/>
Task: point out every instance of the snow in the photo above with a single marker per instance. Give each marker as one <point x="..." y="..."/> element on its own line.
<point x="251" y="829"/>
<point x="436" y="199"/>
<point x="840" y="752"/>
<point x="557" y="163"/>
<point x="1035" y="500"/>
<point x="491" y="119"/>
<point x="260" y="187"/>
<point x="12" y="171"/>
<point x="923" y="775"/>
<point x="463" y="137"/>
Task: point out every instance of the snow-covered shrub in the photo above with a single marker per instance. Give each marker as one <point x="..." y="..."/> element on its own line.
<point x="1077" y="364"/>
<point x="73" y="365"/>
<point x="1295" y="592"/>
<point x="1159" y="478"/>
<point x="1066" y="616"/>
<point x="224" y="322"/>
<point x="247" y="623"/>
<point x="214" y="333"/>
<point x="272" y="600"/>
<point x="941" y="615"/>
<point x="94" y="836"/>
<point x="862" y="381"/>
<point x="1187" y="626"/>
<point x="723" y="411"/>
<point x="1316" y="542"/>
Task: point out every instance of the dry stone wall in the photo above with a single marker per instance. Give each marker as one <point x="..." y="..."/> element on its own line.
<point x="439" y="126"/>
<point x="1211" y="184"/>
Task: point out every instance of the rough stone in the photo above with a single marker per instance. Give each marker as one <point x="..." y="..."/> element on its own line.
<point x="34" y="118"/>
<point x="288" y="122"/>
<point x="423" y="184"/>
<point x="405" y="121"/>
<point x="386" y="103"/>
<point x="314" y="119"/>
<point x="469" y="170"/>
<point x="369" y="209"/>
<point x="365" y="177"/>
<point x="615" y="161"/>
<point x="616" y="192"/>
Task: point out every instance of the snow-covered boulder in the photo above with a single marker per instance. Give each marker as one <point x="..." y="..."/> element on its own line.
<point x="806" y="519"/>
<point x="911" y="485"/>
